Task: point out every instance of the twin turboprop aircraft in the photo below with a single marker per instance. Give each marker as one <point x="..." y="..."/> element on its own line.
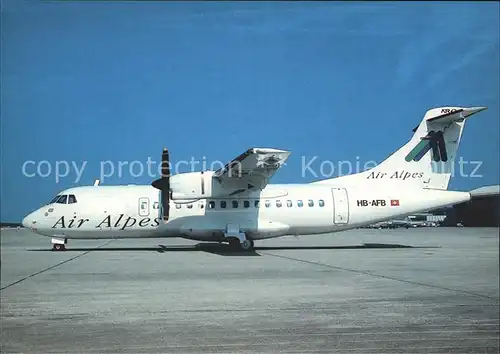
<point x="235" y="204"/>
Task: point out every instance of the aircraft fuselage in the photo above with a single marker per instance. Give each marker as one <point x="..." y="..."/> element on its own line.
<point x="133" y="211"/>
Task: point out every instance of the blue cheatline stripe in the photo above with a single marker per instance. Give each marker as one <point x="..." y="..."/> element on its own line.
<point x="421" y="146"/>
<point x="442" y="148"/>
<point x="434" y="141"/>
<point x="424" y="151"/>
<point x="435" y="150"/>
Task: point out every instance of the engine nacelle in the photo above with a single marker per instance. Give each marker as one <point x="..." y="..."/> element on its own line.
<point x="201" y="185"/>
<point x="195" y="185"/>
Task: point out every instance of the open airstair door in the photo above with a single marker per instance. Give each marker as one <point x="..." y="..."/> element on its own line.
<point x="163" y="184"/>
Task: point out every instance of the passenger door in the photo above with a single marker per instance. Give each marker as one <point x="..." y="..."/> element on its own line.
<point x="340" y="206"/>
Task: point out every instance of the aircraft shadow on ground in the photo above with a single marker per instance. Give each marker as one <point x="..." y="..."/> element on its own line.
<point x="224" y="249"/>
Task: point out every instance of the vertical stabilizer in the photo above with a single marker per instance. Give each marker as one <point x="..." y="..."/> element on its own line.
<point x="427" y="160"/>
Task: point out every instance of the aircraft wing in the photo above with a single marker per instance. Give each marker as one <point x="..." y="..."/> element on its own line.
<point x="251" y="170"/>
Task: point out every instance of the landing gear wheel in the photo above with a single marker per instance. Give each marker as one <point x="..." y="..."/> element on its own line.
<point x="58" y="247"/>
<point x="246" y="245"/>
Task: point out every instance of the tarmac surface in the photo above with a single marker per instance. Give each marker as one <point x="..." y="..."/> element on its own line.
<point x="377" y="291"/>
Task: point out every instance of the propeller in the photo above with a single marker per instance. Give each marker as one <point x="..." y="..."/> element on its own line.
<point x="163" y="183"/>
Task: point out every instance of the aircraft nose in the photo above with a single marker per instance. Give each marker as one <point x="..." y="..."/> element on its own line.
<point x="25" y="222"/>
<point x="28" y="220"/>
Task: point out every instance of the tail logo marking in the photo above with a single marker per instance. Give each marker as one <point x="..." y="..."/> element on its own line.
<point x="433" y="140"/>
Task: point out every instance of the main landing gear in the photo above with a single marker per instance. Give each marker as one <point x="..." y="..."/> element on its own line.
<point x="237" y="239"/>
<point x="59" y="244"/>
<point x="237" y="245"/>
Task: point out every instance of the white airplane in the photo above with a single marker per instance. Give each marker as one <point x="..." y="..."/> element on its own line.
<point x="235" y="204"/>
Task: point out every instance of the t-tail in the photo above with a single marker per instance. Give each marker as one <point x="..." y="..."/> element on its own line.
<point x="427" y="160"/>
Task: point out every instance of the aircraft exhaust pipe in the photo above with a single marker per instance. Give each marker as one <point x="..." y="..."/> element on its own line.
<point x="163" y="184"/>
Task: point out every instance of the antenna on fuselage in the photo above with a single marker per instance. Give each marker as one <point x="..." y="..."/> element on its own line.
<point x="96" y="183"/>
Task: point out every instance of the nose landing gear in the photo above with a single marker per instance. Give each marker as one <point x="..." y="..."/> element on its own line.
<point x="59" y="244"/>
<point x="58" y="247"/>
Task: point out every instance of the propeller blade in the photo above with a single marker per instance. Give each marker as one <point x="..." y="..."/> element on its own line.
<point x="165" y="161"/>
<point x="163" y="183"/>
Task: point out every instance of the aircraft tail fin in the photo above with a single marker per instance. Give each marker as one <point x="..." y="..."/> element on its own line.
<point x="427" y="160"/>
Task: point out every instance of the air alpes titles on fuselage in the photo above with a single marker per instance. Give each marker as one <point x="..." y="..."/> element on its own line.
<point x="107" y="222"/>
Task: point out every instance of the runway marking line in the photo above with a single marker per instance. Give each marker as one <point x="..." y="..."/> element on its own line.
<point x="51" y="267"/>
<point x="379" y="276"/>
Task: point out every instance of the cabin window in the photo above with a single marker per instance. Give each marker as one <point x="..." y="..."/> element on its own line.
<point x="223" y="204"/>
<point x="289" y="203"/>
<point x="235" y="203"/>
<point x="72" y="199"/>
<point x="190" y="206"/>
<point x="310" y="203"/>
<point x="256" y="204"/>
<point x="62" y="199"/>
<point x="211" y="205"/>
<point x="278" y="203"/>
<point x="267" y="203"/>
<point x="156" y="205"/>
<point x="246" y="204"/>
<point x="177" y="206"/>
<point x="299" y="203"/>
<point x="144" y="205"/>
<point x="321" y="203"/>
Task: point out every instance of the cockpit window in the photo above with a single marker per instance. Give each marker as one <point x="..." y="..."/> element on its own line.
<point x="71" y="199"/>
<point x="55" y="199"/>
<point x="62" y="199"/>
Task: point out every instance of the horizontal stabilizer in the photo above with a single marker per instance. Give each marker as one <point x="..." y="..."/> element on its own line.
<point x="487" y="191"/>
<point x="448" y="115"/>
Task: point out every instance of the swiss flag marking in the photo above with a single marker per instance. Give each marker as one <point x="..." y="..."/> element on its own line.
<point x="395" y="202"/>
